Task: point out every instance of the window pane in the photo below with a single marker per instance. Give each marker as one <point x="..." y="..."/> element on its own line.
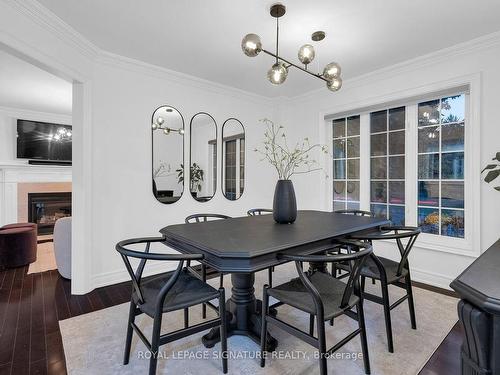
<point x="380" y="210"/>
<point x="428" y="193"/>
<point x="378" y="169"/>
<point x="397" y="192"/>
<point x="339" y="190"/>
<point x="428" y="139"/>
<point x="397" y="118"/>
<point x="339" y="169"/>
<point x="353" y="125"/>
<point x="397" y="143"/>
<point x="353" y="169"/>
<point x="397" y="215"/>
<point x="378" y="192"/>
<point x="352" y="191"/>
<point x="397" y="167"/>
<point x="453" y="109"/>
<point x="339" y="149"/>
<point x="452" y="223"/>
<point x="452" y="166"/>
<point x="352" y="205"/>
<point x="452" y="194"/>
<point x="452" y="137"/>
<point x="338" y="206"/>
<point x="428" y="220"/>
<point x="428" y="113"/>
<point x="428" y="167"/>
<point x="353" y="147"/>
<point x="378" y="121"/>
<point x="378" y="144"/>
<point x="339" y="128"/>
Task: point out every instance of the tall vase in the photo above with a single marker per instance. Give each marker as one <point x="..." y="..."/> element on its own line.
<point x="284" y="204"/>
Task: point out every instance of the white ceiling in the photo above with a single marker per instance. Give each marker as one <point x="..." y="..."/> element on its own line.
<point x="202" y="38"/>
<point x="25" y="86"/>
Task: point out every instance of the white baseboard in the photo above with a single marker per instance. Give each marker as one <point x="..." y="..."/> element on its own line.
<point x="431" y="278"/>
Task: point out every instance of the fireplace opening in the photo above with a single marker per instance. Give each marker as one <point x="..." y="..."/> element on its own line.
<point x="45" y="208"/>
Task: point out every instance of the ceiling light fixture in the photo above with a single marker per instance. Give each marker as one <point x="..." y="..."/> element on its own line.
<point x="252" y="46"/>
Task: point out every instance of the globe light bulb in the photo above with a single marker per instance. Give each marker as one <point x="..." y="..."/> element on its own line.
<point x="154" y="126"/>
<point x="68" y="133"/>
<point x="181" y="131"/>
<point x="306" y="54"/>
<point x="251" y="45"/>
<point x="160" y="120"/>
<point x="335" y="84"/>
<point x="331" y="71"/>
<point x="166" y="131"/>
<point x="277" y="74"/>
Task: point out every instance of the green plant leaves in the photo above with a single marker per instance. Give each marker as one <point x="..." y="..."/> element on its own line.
<point x="490" y="166"/>
<point x="491" y="175"/>
<point x="497" y="157"/>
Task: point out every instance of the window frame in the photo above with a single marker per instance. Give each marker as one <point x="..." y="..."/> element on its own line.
<point x="470" y="85"/>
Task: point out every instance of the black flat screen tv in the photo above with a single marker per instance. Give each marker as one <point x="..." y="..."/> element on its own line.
<point x="43" y="141"/>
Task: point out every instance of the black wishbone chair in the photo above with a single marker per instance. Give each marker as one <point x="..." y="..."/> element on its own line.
<point x="199" y="218"/>
<point x="167" y="292"/>
<point x="258" y="212"/>
<point x="355" y="212"/>
<point x="390" y="272"/>
<point x="323" y="297"/>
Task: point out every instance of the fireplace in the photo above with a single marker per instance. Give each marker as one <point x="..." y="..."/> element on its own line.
<point x="45" y="208"/>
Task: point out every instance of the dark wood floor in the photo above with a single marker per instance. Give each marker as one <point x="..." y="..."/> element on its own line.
<point x="31" y="306"/>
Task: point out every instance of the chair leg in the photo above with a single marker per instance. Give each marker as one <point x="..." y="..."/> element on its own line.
<point x="321" y="346"/>
<point x="387" y="313"/>
<point x="270" y="271"/>
<point x="411" y="302"/>
<point x="223" y="329"/>
<point x="130" y="331"/>
<point x="364" y="342"/>
<point x="311" y="324"/>
<point x="186" y="318"/>
<point x="204" y="278"/>
<point x="155" y="343"/>
<point x="263" y="332"/>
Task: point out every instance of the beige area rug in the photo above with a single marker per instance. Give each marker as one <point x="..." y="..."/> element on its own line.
<point x="45" y="258"/>
<point x="93" y="343"/>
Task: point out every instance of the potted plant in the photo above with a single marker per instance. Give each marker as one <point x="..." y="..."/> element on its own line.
<point x="287" y="161"/>
<point x="196" y="178"/>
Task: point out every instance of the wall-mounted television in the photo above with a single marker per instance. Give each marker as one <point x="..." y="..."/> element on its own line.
<point x="44" y="142"/>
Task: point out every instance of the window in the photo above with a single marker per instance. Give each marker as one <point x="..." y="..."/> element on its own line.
<point x="346" y="161"/>
<point x="387" y="164"/>
<point x="441" y="140"/>
<point x="413" y="164"/>
<point x="242" y="165"/>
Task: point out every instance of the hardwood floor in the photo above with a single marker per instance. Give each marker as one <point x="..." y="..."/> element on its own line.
<point x="31" y="306"/>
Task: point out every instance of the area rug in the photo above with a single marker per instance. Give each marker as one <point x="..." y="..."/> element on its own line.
<point x="45" y="258"/>
<point x="93" y="343"/>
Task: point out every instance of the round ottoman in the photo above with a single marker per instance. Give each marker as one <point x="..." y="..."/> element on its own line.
<point x="17" y="246"/>
<point x="19" y="225"/>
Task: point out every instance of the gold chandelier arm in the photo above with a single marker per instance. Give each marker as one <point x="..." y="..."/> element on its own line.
<point x="295" y="66"/>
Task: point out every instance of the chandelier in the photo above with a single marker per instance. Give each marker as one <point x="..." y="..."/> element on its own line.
<point x="252" y="46"/>
<point x="159" y="124"/>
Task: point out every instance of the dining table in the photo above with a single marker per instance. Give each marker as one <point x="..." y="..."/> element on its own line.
<point x="242" y="246"/>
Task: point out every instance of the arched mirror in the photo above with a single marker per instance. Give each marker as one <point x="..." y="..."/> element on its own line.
<point x="167" y="134"/>
<point x="233" y="159"/>
<point x="203" y="157"/>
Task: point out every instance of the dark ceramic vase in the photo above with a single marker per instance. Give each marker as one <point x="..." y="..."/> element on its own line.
<point x="284" y="204"/>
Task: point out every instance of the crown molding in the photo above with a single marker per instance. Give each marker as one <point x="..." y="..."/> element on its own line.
<point x="138" y="66"/>
<point x="27" y="114"/>
<point x="482" y="43"/>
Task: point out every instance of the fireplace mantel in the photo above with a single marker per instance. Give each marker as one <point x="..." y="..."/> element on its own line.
<point x="14" y="173"/>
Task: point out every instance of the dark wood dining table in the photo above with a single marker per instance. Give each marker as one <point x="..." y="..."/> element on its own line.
<point x="244" y="245"/>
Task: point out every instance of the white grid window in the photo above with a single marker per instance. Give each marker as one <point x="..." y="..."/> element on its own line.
<point x="346" y="163"/>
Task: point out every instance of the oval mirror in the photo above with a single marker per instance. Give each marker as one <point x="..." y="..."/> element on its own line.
<point x="233" y="159"/>
<point x="167" y="135"/>
<point x="203" y="157"/>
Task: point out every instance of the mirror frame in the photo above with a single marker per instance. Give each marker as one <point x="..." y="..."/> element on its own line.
<point x="222" y="158"/>
<point x="190" y="152"/>
<point x="153" y="151"/>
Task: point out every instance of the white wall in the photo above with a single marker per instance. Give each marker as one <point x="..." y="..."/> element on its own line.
<point x="306" y="116"/>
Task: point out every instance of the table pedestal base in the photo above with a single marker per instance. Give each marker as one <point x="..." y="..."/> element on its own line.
<point x="243" y="313"/>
